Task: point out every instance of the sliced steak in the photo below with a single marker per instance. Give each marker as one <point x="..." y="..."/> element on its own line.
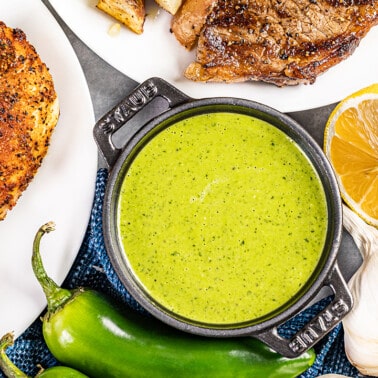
<point x="284" y="42"/>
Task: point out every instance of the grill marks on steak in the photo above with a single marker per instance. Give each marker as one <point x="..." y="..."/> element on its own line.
<point x="277" y="41"/>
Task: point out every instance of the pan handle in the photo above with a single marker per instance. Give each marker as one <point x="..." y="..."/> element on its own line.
<point x="127" y="109"/>
<point x="319" y="326"/>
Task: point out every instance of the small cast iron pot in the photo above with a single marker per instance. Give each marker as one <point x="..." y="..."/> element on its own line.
<point x="160" y="103"/>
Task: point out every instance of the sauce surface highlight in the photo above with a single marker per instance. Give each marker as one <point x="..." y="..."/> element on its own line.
<point x="222" y="217"/>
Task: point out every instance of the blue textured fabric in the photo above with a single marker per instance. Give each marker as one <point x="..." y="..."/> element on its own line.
<point x="92" y="268"/>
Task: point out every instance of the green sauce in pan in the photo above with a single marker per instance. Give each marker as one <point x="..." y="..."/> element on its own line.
<point x="223" y="218"/>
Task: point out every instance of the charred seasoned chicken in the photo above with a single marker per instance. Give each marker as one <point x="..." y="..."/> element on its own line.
<point x="29" y="111"/>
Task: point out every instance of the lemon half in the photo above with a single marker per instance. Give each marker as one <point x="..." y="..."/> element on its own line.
<point x="351" y="145"/>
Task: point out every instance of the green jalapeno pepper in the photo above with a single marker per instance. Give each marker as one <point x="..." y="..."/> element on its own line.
<point x="86" y="331"/>
<point x="12" y="371"/>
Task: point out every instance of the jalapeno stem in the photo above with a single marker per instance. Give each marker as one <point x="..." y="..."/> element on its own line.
<point x="6" y="365"/>
<point x="55" y="295"/>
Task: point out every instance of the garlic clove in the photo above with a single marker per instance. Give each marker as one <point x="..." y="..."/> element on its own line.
<point x="360" y="325"/>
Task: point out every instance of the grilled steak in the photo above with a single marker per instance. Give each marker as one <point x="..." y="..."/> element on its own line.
<point x="284" y="42"/>
<point x="28" y="113"/>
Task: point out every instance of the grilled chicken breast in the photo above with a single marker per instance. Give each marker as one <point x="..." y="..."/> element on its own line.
<point x="29" y="111"/>
<point x="284" y="42"/>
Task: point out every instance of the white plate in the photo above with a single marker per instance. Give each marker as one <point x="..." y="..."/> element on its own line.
<point x="157" y="53"/>
<point x="63" y="189"/>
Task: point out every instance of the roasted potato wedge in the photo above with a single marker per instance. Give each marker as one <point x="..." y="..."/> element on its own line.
<point x="131" y="13"/>
<point x="170" y="6"/>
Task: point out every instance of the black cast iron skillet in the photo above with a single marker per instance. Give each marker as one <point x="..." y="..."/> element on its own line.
<point x="156" y="104"/>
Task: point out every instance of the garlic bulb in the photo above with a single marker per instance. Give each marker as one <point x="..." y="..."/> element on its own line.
<point x="361" y="324"/>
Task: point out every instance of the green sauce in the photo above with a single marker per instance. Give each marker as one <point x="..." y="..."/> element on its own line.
<point x="223" y="218"/>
